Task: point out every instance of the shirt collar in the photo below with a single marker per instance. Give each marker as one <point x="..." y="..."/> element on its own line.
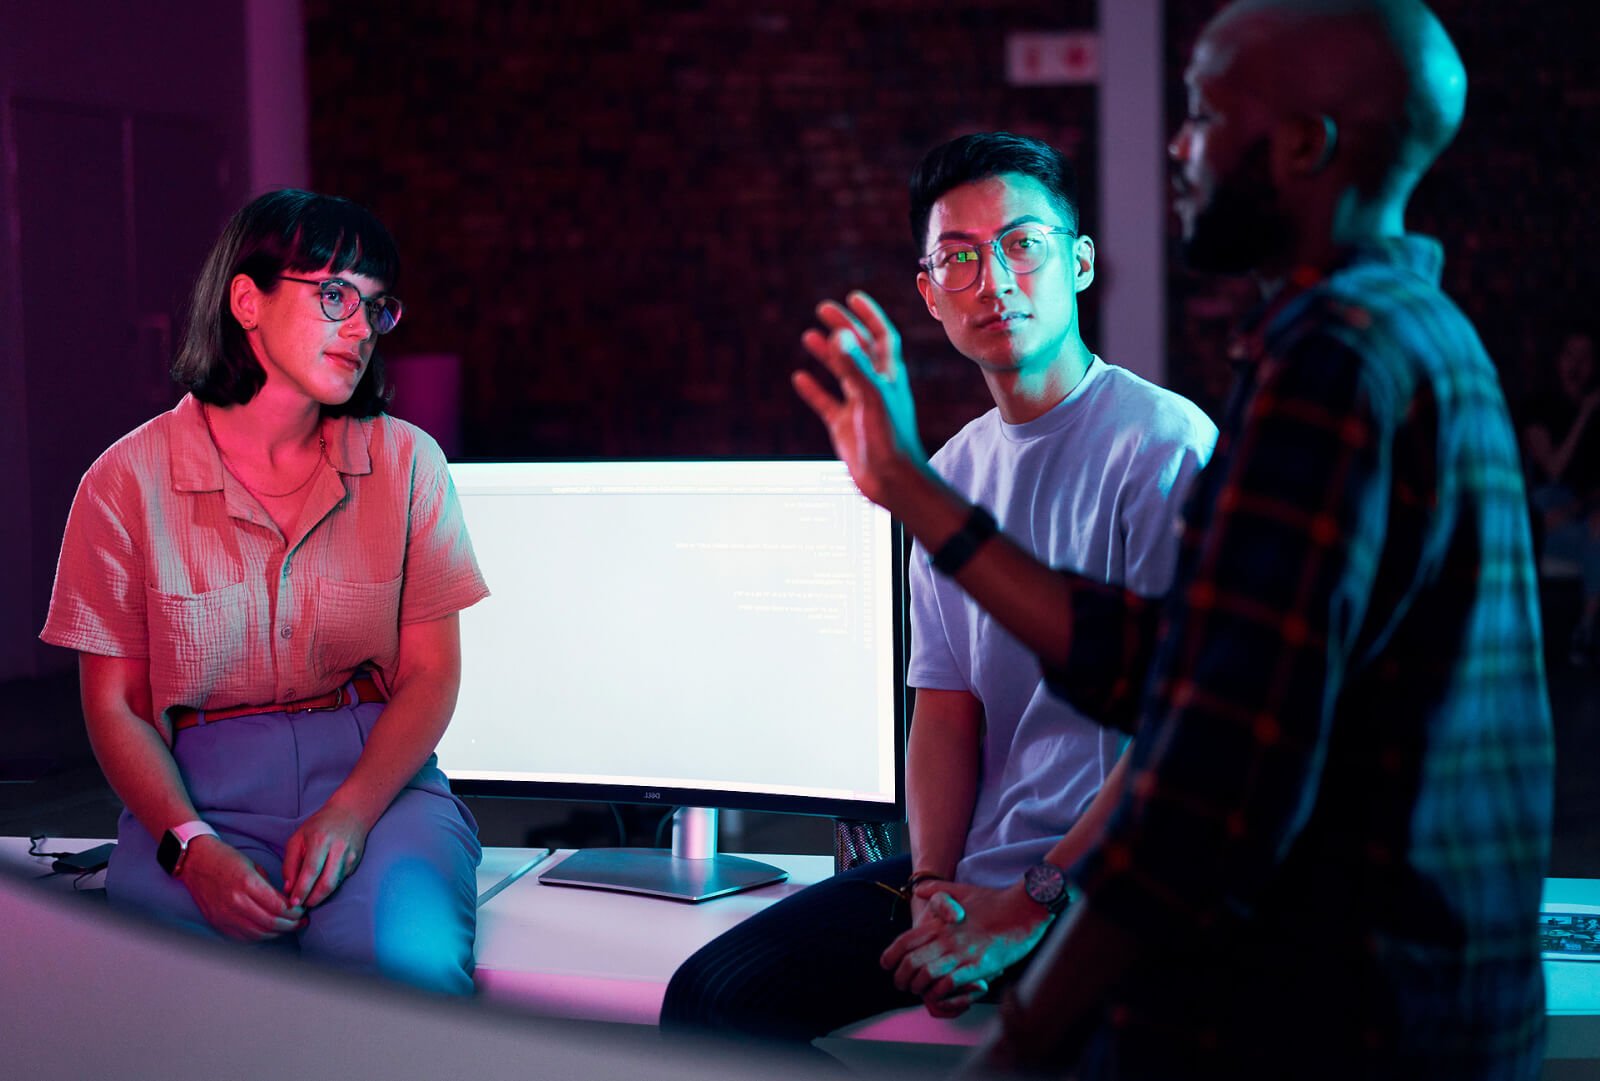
<point x="1412" y="253"/>
<point x="197" y="464"/>
<point x="347" y="440"/>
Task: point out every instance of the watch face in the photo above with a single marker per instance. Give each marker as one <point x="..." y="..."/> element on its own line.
<point x="1046" y="884"/>
<point x="169" y="851"/>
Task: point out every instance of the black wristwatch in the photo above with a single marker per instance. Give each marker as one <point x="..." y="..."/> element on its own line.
<point x="1046" y="884"/>
<point x="174" y="846"/>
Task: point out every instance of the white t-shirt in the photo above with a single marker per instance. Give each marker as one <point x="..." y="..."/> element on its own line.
<point x="1095" y="486"/>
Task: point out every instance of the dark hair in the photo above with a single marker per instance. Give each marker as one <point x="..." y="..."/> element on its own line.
<point x="980" y="156"/>
<point x="286" y="231"/>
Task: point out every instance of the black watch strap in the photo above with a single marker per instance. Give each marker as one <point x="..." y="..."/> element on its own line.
<point x="954" y="553"/>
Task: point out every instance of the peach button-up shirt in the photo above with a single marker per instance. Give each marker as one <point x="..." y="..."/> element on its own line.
<point x="168" y="557"/>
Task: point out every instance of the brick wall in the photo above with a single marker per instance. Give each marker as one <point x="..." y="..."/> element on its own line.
<point x="1513" y="199"/>
<point x="622" y="213"/>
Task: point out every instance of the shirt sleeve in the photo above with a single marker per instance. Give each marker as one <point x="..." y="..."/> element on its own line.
<point x="441" y="572"/>
<point x="1114" y="626"/>
<point x="1235" y="724"/>
<point x="97" y="604"/>
<point x="1113" y="637"/>
<point x="932" y="664"/>
<point x="1152" y="521"/>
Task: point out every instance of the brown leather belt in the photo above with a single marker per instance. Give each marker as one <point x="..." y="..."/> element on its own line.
<point x="361" y="688"/>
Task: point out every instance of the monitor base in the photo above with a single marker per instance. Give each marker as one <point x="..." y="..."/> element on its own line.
<point x="656" y="872"/>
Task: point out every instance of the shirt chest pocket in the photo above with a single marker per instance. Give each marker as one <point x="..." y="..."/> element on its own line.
<point x="197" y="637"/>
<point x="355" y="622"/>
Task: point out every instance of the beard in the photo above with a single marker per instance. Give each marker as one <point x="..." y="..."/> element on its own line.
<point x="1242" y="227"/>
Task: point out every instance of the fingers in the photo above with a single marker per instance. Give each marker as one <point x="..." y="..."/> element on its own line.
<point x="822" y="403"/>
<point x="845" y="327"/>
<point x="957" y="1003"/>
<point x="910" y="940"/>
<point x="864" y="324"/>
<point x="946" y="908"/>
<point x="959" y="982"/>
<point x="922" y="968"/>
<point x="294" y="857"/>
<point x="334" y="871"/>
<point x="312" y="867"/>
<point x="841" y="352"/>
<point x="882" y="331"/>
<point x="257" y="911"/>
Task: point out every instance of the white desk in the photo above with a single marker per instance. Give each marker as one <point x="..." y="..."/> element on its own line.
<point x="592" y="954"/>
<point x="597" y="955"/>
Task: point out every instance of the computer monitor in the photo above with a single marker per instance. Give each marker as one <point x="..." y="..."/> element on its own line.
<point x="702" y="634"/>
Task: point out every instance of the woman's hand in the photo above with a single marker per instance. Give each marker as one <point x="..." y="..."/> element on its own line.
<point x="321" y="854"/>
<point x="234" y="895"/>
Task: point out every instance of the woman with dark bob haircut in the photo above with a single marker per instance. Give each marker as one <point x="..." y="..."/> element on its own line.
<point x="263" y="587"/>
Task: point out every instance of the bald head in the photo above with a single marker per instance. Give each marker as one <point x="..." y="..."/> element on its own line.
<point x="1383" y="71"/>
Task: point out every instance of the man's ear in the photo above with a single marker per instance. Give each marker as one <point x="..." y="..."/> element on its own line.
<point x="1082" y="263"/>
<point x="930" y="294"/>
<point x="244" y="300"/>
<point x="1306" y="143"/>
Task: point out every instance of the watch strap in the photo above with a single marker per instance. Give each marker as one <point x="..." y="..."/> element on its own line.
<point x="174" y="846"/>
<point x="188" y="831"/>
<point x="964" y="543"/>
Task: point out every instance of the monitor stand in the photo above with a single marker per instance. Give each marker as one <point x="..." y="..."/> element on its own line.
<point x="692" y="871"/>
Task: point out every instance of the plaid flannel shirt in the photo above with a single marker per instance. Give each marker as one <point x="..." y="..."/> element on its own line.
<point x="1337" y="822"/>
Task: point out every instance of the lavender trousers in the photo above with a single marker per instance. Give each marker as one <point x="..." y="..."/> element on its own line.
<point x="409" y="911"/>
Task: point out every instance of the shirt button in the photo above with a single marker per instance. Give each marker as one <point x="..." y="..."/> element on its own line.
<point x="289" y="693"/>
<point x="286" y="568"/>
<point x="287" y="632"/>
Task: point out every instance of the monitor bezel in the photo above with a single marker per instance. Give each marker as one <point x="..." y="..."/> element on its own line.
<point x="666" y="796"/>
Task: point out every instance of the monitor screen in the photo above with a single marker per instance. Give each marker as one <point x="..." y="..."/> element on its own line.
<point x="711" y="633"/>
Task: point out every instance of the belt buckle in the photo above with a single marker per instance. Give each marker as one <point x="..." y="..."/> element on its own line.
<point x="338" y="703"/>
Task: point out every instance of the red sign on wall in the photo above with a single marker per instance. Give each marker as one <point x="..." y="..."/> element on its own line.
<point x="1052" y="59"/>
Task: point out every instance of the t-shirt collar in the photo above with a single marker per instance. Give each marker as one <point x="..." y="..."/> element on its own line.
<point x="1057" y="415"/>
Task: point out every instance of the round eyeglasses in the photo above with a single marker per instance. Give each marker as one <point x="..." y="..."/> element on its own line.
<point x="340" y="299"/>
<point x="954" y="266"/>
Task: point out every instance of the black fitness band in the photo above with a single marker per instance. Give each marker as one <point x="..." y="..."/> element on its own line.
<point x="965" y="542"/>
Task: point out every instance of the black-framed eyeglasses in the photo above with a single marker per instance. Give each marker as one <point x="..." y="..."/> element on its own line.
<point x="1022" y="250"/>
<point x="340" y="299"/>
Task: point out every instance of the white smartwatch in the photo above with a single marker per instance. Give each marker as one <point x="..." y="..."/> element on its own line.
<point x="174" y="847"/>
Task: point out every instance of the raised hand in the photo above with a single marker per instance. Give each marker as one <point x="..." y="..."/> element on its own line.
<point x="873" y="421"/>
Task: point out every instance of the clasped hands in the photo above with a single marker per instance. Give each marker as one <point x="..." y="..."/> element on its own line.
<point x="235" y="895"/>
<point x="962" y="937"/>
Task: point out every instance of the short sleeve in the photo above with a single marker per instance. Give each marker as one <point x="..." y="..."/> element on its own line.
<point x="1151" y="521"/>
<point x="97" y="604"/>
<point x="441" y="572"/>
<point x="933" y="664"/>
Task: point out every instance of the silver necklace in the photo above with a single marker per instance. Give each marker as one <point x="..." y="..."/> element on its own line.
<point x="322" y="456"/>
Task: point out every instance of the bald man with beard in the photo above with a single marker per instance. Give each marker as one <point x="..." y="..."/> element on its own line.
<point x="1329" y="858"/>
